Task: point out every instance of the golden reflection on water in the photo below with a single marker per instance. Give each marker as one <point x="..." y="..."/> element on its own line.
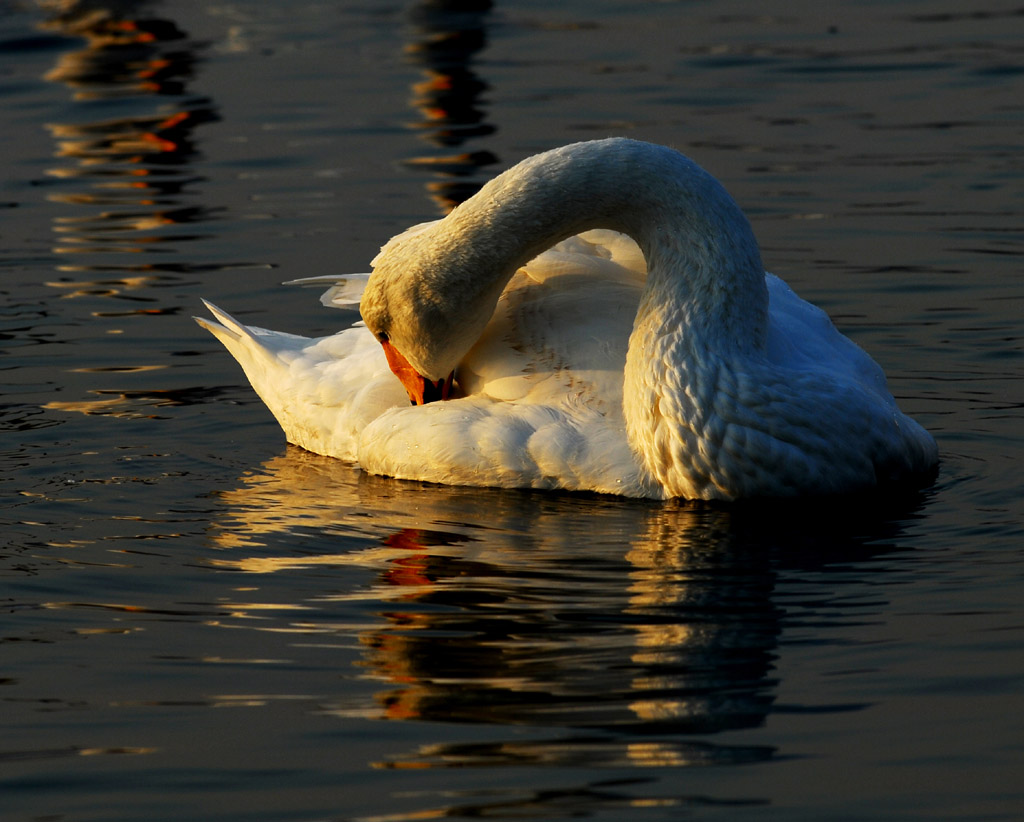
<point x="121" y="179"/>
<point x="512" y="608"/>
<point x="128" y="405"/>
<point x="134" y="166"/>
<point x="300" y="490"/>
<point x="446" y="37"/>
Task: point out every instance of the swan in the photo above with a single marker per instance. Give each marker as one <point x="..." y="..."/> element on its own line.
<point x="596" y="318"/>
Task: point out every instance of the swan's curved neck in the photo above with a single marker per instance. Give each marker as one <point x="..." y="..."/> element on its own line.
<point x="705" y="301"/>
<point x="433" y="291"/>
<point x="701" y="253"/>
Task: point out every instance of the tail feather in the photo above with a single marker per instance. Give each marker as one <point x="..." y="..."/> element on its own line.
<point x="311" y="385"/>
<point x="228" y="325"/>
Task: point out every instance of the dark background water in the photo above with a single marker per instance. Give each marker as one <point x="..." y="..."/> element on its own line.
<point x="202" y="623"/>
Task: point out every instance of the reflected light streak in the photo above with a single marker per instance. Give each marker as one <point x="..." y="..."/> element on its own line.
<point x="134" y="404"/>
<point x="137" y="160"/>
<point x="448" y="34"/>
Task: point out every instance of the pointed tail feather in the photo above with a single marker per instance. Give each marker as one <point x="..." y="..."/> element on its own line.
<point x="228" y="325"/>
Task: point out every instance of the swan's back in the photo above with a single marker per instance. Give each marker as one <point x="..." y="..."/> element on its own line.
<point x="810" y="413"/>
<point x="561" y="327"/>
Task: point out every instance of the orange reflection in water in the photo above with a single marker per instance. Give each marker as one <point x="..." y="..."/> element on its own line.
<point x="135" y="165"/>
<point x="122" y="180"/>
<point x="447" y="36"/>
<point x="510" y="608"/>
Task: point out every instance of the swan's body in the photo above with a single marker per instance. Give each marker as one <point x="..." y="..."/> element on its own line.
<point x="669" y="367"/>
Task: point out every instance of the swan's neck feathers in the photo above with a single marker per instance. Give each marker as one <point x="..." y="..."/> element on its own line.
<point x="701" y="253"/>
<point x="705" y="303"/>
<point x="700" y="250"/>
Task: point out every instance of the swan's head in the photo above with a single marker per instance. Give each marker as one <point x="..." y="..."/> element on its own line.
<point x="427" y="302"/>
<point x="420" y="389"/>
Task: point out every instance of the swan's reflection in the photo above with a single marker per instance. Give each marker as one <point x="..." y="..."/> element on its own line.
<point x="447" y="34"/>
<point x="606" y="633"/>
<point x="508" y="608"/>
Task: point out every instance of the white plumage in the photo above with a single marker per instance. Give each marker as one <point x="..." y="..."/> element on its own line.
<point x="666" y="365"/>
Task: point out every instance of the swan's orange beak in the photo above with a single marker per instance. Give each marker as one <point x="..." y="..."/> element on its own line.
<point x="420" y="389"/>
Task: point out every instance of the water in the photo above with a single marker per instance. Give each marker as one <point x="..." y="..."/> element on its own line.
<point x="202" y="623"/>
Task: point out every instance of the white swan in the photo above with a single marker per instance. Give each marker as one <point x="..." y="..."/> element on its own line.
<point x="694" y="375"/>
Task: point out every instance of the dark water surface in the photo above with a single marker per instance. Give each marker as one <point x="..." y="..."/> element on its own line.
<point x="201" y="623"/>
